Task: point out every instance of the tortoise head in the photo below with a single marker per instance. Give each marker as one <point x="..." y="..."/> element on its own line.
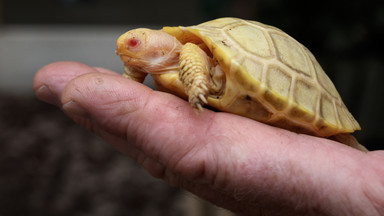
<point x="150" y="51"/>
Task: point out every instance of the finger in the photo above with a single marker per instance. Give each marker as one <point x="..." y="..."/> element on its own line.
<point x="114" y="101"/>
<point x="51" y="79"/>
<point x="107" y="71"/>
<point x="162" y="126"/>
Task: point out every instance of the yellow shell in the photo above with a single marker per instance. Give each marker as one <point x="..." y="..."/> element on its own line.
<point x="270" y="77"/>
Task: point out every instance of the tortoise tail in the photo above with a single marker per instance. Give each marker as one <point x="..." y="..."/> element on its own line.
<point x="348" y="140"/>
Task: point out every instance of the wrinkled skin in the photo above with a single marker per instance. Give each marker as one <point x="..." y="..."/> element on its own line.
<point x="234" y="162"/>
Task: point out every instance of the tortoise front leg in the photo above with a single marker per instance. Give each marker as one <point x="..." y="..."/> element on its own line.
<point x="133" y="74"/>
<point x="195" y="74"/>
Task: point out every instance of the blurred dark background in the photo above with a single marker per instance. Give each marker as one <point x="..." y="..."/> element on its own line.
<point x="50" y="166"/>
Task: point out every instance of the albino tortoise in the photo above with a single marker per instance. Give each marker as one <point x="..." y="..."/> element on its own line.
<point x="241" y="67"/>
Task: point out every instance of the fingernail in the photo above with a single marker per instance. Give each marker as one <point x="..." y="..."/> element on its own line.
<point x="45" y="94"/>
<point x="73" y="108"/>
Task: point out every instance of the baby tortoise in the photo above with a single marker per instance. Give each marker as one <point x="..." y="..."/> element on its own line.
<point x="241" y="67"/>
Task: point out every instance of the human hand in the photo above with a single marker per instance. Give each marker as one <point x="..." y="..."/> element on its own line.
<point x="234" y="162"/>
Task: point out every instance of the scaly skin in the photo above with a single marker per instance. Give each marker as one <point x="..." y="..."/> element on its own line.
<point x="194" y="74"/>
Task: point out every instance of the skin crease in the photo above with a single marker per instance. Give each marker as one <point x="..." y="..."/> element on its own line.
<point x="234" y="162"/>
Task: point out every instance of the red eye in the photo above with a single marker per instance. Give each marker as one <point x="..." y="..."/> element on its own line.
<point x="132" y="43"/>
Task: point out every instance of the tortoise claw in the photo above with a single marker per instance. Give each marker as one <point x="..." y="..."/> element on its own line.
<point x="198" y="109"/>
<point x="203" y="99"/>
<point x="197" y="102"/>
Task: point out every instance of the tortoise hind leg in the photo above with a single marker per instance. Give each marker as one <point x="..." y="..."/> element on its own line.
<point x="217" y="81"/>
<point x="195" y="74"/>
<point x="349" y="140"/>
